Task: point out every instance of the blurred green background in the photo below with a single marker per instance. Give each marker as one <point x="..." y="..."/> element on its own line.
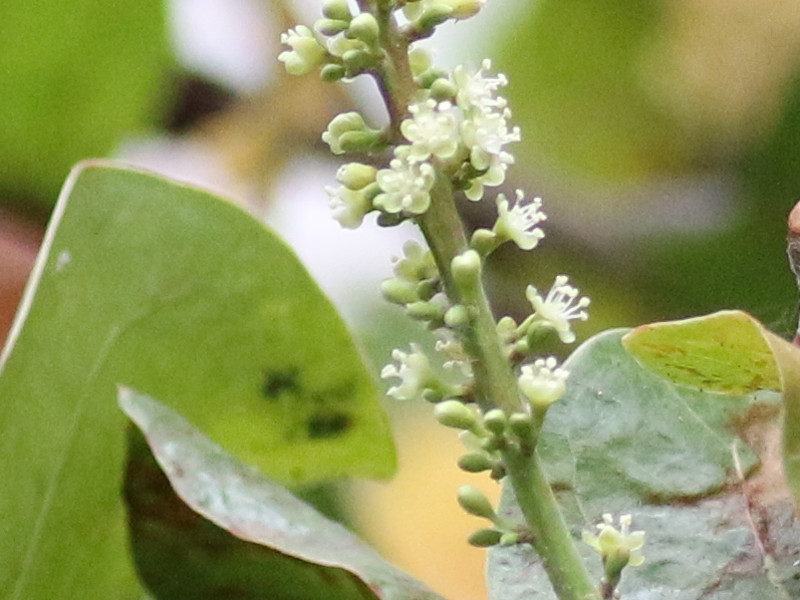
<point x="664" y="137"/>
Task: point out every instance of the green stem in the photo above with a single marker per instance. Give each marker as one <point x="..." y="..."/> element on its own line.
<point x="495" y="382"/>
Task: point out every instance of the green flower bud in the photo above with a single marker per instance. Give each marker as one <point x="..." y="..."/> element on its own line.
<point x="457" y="316"/>
<point x="484" y="538"/>
<point x="521" y="425"/>
<point x="495" y="421"/>
<point x="419" y="59"/>
<point x="466" y="270"/>
<point x="332" y="72"/>
<point x="434" y="15"/>
<point x="341" y="125"/>
<point x="484" y="241"/>
<point x="452" y="413"/>
<point x="356" y="176"/>
<point x="443" y="89"/>
<point x="357" y="61"/>
<point x="330" y="27"/>
<point x="475" y="502"/>
<point x="364" y="27"/>
<point x="475" y="463"/>
<point x="427" y="289"/>
<point x="425" y="311"/>
<point x="399" y="292"/>
<point x="336" y="9"/>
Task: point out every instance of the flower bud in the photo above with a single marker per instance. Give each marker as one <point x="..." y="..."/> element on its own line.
<point x="466" y="270"/>
<point x="452" y="413"/>
<point x="475" y="463"/>
<point x="425" y="311"/>
<point x="475" y="502"/>
<point x="495" y="421"/>
<point x="457" y="316"/>
<point x="399" y="292"/>
<point x="521" y="425"/>
<point x="356" y="175"/>
<point x="419" y="60"/>
<point x="341" y="125"/>
<point x="336" y="9"/>
<point x="434" y="15"/>
<point x="484" y="241"/>
<point x="332" y="72"/>
<point x="484" y="538"/>
<point x="330" y="27"/>
<point x="306" y="52"/>
<point x="443" y="89"/>
<point x="356" y="61"/>
<point x="364" y="27"/>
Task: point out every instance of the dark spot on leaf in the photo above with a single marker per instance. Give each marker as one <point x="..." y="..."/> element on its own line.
<point x="325" y="425"/>
<point x="280" y="381"/>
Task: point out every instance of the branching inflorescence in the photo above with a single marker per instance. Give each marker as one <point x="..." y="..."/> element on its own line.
<point x="448" y="137"/>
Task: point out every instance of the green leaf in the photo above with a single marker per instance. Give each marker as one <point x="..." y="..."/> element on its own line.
<point x="683" y="463"/>
<point x="728" y="352"/>
<point x="76" y="76"/>
<point x="238" y="499"/>
<point x="166" y="287"/>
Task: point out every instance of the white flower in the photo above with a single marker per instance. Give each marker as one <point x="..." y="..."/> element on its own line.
<point x="405" y="186"/>
<point x="432" y="130"/>
<point x="519" y="223"/>
<point x="476" y="91"/>
<point x="610" y="541"/>
<point x="414" y="372"/>
<point x="543" y="382"/>
<point x="561" y="306"/>
<point x="348" y="206"/>
<point x="306" y="52"/>
<point x="485" y="134"/>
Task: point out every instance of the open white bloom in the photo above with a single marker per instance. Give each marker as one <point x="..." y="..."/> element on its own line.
<point x="543" y="382"/>
<point x="432" y="130"/>
<point x="348" y="206"/>
<point x="306" y="52"/>
<point x="485" y="134"/>
<point x="559" y="307"/>
<point x="477" y="91"/>
<point x="519" y="223"/>
<point x="611" y="542"/>
<point x="405" y="186"/>
<point x="414" y="372"/>
<point x="458" y="361"/>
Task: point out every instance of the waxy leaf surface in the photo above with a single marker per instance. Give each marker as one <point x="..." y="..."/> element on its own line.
<point x="151" y="283"/>
<point x="698" y="472"/>
<point x="239" y="500"/>
<point x="728" y="352"/>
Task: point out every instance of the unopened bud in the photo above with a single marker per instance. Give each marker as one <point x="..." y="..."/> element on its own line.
<point x="452" y="413"/>
<point x="443" y="89"/>
<point x="332" y="72"/>
<point x="484" y="538"/>
<point x="475" y="502"/>
<point x="336" y="9"/>
<point x="398" y="291"/>
<point x="356" y="175"/>
<point x="330" y="27"/>
<point x="364" y="27"/>
<point x="475" y="463"/>
<point x="457" y="316"/>
<point x="495" y="421"/>
<point x="466" y="270"/>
